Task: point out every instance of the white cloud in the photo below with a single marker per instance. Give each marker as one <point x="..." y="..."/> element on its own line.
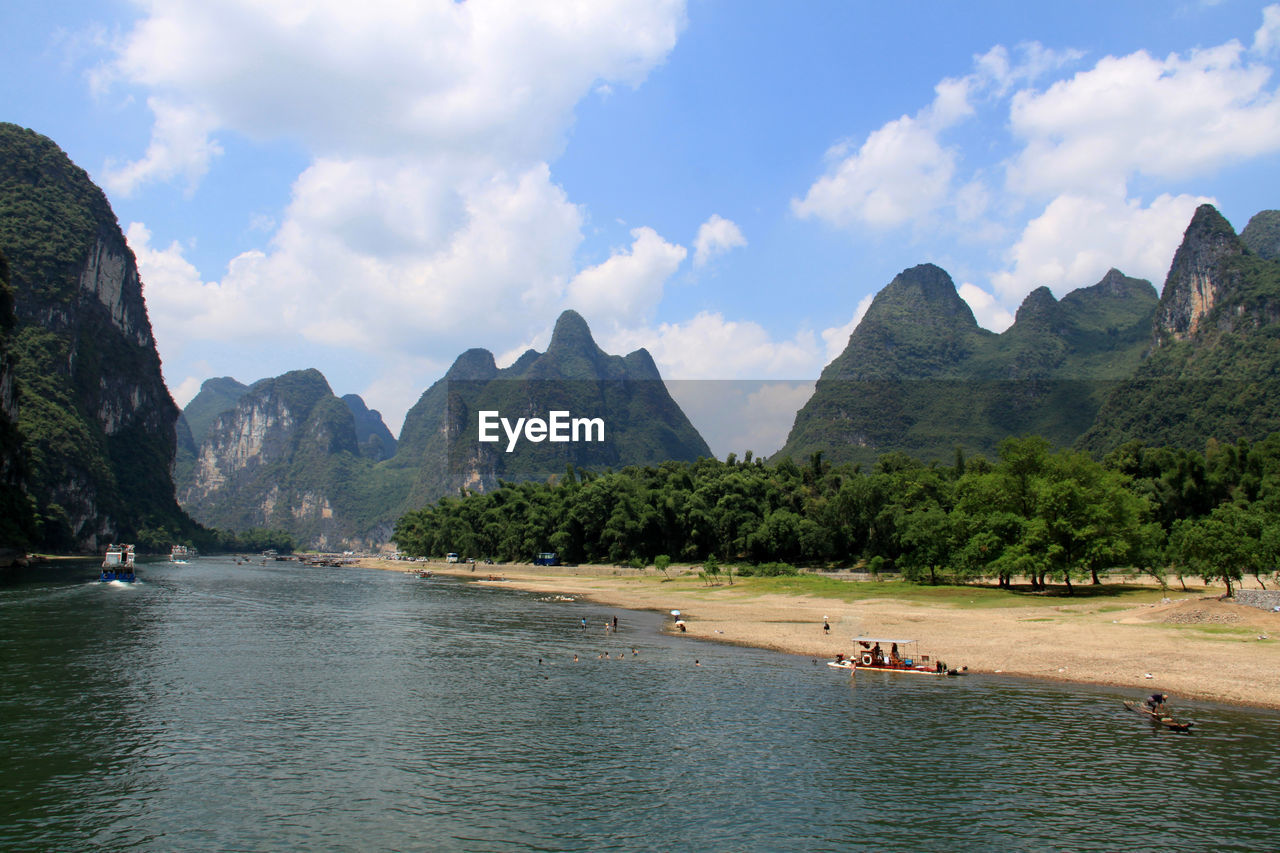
<point x="396" y="75"/>
<point x="1267" y="37"/>
<point x="1138" y="115"/>
<point x="900" y="173"/>
<point x="837" y="337"/>
<point x="427" y="219"/>
<point x="406" y="381"/>
<point x="735" y="416"/>
<point x="903" y="172"/>
<point x="1078" y="238"/>
<point x="186" y="390"/>
<point x="181" y="305"/>
<point x="628" y="286"/>
<point x="180" y="147"/>
<point x="989" y="313"/>
<point x="715" y="237"/>
<point x="708" y="346"/>
<point x="1079" y="145"/>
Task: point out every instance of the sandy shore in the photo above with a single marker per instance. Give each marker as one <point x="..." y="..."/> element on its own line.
<point x="1187" y="644"/>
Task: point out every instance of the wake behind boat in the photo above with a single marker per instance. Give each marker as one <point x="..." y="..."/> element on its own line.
<point x="182" y="553"/>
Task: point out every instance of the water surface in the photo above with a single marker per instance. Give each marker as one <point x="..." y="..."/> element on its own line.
<point x="217" y="706"/>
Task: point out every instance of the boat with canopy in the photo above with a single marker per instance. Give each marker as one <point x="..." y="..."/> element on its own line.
<point x="891" y="654"/>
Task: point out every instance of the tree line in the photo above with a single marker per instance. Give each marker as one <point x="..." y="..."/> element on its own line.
<point x="1033" y="512"/>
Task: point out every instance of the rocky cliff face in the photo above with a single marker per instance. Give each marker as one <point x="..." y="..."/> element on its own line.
<point x="1212" y="372"/>
<point x="98" y="420"/>
<point x="1196" y="278"/>
<point x="440" y="444"/>
<point x="16" y="519"/>
<point x="375" y="440"/>
<point x="285" y="456"/>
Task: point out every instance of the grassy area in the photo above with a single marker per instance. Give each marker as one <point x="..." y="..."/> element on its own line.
<point x="969" y="596"/>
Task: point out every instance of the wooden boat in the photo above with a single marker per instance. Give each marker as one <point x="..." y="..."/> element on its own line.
<point x="1158" y="719"/>
<point x="903" y="656"/>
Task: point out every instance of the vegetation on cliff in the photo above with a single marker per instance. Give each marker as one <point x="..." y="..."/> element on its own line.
<point x="642" y="424"/>
<point x="96" y="420"/>
<point x="17" y="515"/>
<point x="921" y="377"/>
<point x="301" y="470"/>
<point x="1214" y="367"/>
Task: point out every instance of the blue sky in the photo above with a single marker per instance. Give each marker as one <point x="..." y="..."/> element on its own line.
<point x="370" y="189"/>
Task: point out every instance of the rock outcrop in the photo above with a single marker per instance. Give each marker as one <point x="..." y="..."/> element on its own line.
<point x="1196" y="278"/>
<point x="285" y="456"/>
<point x="440" y="445"/>
<point x="97" y="418"/>
<point x="1213" y="370"/>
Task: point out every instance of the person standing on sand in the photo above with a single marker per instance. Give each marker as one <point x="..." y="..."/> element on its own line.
<point x="826" y="625"/>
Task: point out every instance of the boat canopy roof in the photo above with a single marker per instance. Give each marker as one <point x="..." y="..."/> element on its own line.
<point x="881" y="640"/>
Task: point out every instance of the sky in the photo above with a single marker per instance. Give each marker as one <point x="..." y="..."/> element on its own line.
<point x="372" y="188"/>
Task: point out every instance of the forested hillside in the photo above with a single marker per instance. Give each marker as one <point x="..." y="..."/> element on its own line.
<point x="96" y="419"/>
<point x="1214" y="366"/>
<point x="921" y="377"/>
<point x="1050" y="516"/>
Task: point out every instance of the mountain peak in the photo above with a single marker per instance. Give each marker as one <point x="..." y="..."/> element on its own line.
<point x="916" y="327"/>
<point x="1038" y="305"/>
<point x="474" y="364"/>
<point x="1262" y="235"/>
<point x="1115" y="283"/>
<point x="571" y="332"/>
<point x="1195" y="282"/>
<point x="922" y="295"/>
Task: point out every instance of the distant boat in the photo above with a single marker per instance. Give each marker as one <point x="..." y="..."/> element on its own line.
<point x="182" y="553"/>
<point x="117" y="564"/>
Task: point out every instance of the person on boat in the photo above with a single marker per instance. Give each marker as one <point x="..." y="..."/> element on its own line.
<point x="893" y="655"/>
<point x="877" y="656"/>
<point x="1155" y="702"/>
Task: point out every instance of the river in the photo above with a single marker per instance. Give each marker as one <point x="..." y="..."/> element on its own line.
<point x="225" y="706"/>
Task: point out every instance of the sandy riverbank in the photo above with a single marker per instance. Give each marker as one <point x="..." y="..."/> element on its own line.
<point x="1190" y="643"/>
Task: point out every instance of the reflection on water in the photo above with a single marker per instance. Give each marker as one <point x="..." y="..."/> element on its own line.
<point x="215" y="706"/>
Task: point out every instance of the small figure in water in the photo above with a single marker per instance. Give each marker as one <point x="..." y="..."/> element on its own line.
<point x="584" y="623"/>
<point x="615" y="624"/>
